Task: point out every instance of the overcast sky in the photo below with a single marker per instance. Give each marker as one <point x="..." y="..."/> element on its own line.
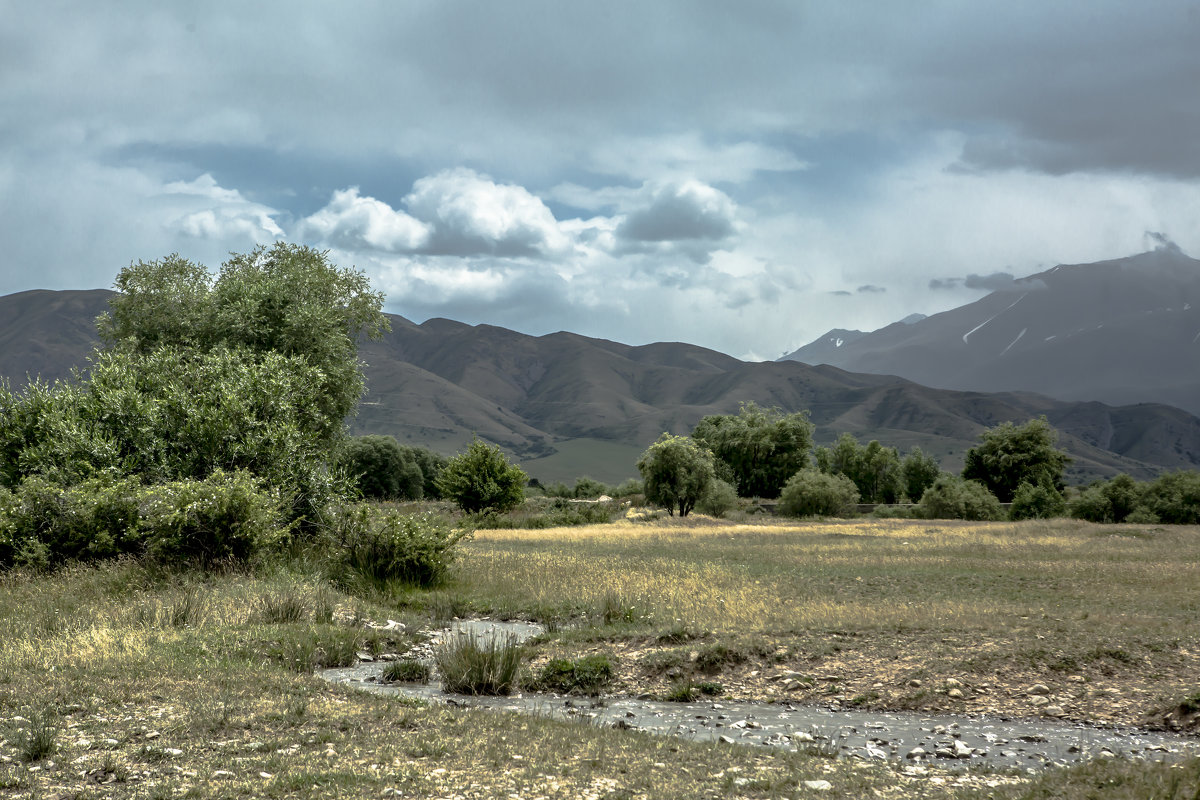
<point x="742" y="176"/>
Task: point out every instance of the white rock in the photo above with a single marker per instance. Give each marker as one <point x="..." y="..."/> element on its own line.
<point x="1038" y="688"/>
<point x="817" y="786"/>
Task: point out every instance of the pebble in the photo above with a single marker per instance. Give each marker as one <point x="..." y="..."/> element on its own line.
<point x="953" y="683"/>
<point x="955" y="693"/>
<point x="222" y="773"/>
<point x="817" y="786"/>
<point x="916" y="752"/>
<point x="1038" y="688"/>
<point x="1039" y="700"/>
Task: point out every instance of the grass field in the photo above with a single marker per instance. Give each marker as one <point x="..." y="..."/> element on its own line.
<point x="126" y="681"/>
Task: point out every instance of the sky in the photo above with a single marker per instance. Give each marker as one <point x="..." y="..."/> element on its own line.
<point x="742" y="176"/>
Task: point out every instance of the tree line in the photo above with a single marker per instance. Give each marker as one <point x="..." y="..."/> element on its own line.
<point x="765" y="453"/>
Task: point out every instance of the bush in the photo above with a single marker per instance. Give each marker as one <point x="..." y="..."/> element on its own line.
<point x="381" y="468"/>
<point x="758" y="448"/>
<point x="489" y="665"/>
<point x="1091" y="505"/>
<point x="383" y="545"/>
<point x="951" y="497"/>
<point x="588" y="489"/>
<point x="587" y="675"/>
<point x="1175" y="498"/>
<point x="1042" y="501"/>
<point x="813" y="493"/>
<point x="482" y="478"/>
<point x="628" y="488"/>
<point x="225" y="516"/>
<point x="718" y="500"/>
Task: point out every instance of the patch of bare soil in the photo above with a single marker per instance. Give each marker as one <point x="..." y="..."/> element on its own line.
<point x="921" y="672"/>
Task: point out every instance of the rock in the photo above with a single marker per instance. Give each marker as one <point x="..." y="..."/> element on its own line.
<point x="916" y="752"/>
<point x="1038" y="688"/>
<point x="1039" y="701"/>
<point x="914" y="683"/>
<point x="1054" y="711"/>
<point x="365" y="657"/>
<point x="727" y="739"/>
<point x="222" y="773"/>
<point x="802" y="736"/>
<point x="817" y="786"/>
<point x="955" y="693"/>
<point x="961" y="749"/>
<point x="953" y="683"/>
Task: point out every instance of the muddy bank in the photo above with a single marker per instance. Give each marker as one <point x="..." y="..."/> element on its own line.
<point x="955" y="741"/>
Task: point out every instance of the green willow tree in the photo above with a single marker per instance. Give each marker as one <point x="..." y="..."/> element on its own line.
<point x="1009" y="455"/>
<point x="677" y="472"/>
<point x="758" y="448"/>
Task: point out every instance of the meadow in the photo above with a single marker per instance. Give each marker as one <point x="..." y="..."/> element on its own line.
<point x="130" y="680"/>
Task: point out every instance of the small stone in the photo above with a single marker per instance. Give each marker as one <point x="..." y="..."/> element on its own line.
<point x="1054" y="711"/>
<point x="953" y="683"/>
<point x="152" y="734"/>
<point x="172" y="751"/>
<point x="914" y="683"/>
<point x="365" y="657"/>
<point x="916" y="752"/>
<point x="222" y="773"/>
<point x="1076" y="679"/>
<point x="727" y="739"/>
<point x="265" y="775"/>
<point x="1039" y="701"/>
<point x="802" y="736"/>
<point x="955" y="693"/>
<point x="1038" y="688"/>
<point x="961" y="750"/>
<point x="817" y="786"/>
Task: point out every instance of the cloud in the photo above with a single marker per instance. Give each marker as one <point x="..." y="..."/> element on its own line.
<point x="995" y="282"/>
<point x="684" y="156"/>
<point x="938" y="284"/>
<point x="688" y="212"/>
<point x="470" y="214"/>
<point x="225" y="215"/>
<point x="870" y="289"/>
<point x="355" y="222"/>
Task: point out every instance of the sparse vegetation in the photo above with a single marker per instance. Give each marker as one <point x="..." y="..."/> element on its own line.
<point x="479" y="664"/>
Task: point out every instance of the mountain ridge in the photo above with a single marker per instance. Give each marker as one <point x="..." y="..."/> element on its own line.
<point x="440" y="382"/>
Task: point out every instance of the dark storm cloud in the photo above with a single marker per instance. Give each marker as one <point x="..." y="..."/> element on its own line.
<point x="870" y="289"/>
<point x="995" y="282"/>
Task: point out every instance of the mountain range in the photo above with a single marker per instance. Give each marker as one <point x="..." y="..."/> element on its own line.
<point x="1121" y="331"/>
<point x="567" y="405"/>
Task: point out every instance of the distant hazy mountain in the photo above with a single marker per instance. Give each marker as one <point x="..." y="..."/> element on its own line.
<point x="1123" y="331"/>
<point x="544" y="397"/>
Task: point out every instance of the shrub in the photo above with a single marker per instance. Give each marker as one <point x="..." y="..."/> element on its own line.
<point x="384" y="545"/>
<point x="628" y="488"/>
<point x="1175" y="498"/>
<point x="718" y="500"/>
<point x="813" y="493"/>
<point x="588" y="489"/>
<point x="1042" y="501"/>
<point x="951" y="497"/>
<point x="488" y="665"/>
<point x="481" y="478"/>
<point x="1009" y="455"/>
<point x="225" y="516"/>
<point x="381" y="468"/>
<point x="587" y="675"/>
<point x="1092" y="505"/>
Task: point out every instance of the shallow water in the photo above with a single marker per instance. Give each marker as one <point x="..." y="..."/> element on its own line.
<point x="947" y="740"/>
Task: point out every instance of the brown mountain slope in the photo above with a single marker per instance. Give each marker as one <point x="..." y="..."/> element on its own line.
<point x="440" y="382"/>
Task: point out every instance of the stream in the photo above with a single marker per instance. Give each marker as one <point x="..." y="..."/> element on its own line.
<point x="945" y="740"/>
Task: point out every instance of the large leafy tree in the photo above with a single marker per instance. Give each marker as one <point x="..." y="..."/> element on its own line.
<point x="287" y="299"/>
<point x="676" y="471"/>
<point x="760" y="448"/>
<point x="874" y="469"/>
<point x="1009" y="455"/>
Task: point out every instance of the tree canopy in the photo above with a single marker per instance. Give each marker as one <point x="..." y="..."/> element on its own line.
<point x="287" y="299"/>
<point x="677" y="471"/>
<point x="1009" y="455"/>
<point x="761" y="448"/>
